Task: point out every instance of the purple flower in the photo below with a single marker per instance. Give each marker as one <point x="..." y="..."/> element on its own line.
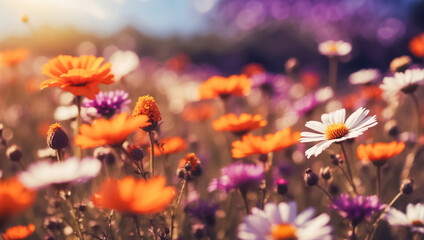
<point x="358" y="209"/>
<point x="238" y="175"/>
<point x="108" y="104"/>
<point x="204" y="211"/>
<point x="270" y="84"/>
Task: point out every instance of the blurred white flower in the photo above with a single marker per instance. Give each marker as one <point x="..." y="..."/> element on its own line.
<point x="364" y="76"/>
<point x="414" y="217"/>
<point x="334" y="48"/>
<point x="406" y="82"/>
<point x="72" y="170"/>
<point x="123" y="62"/>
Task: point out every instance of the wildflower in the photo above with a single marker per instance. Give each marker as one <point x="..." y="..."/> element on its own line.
<point x="334" y="48"/>
<point x="282" y="186"/>
<point x="170" y="145"/>
<point x="14" y="198"/>
<point x="56" y="137"/>
<point x="305" y="104"/>
<point x="178" y="63"/>
<point x="414" y="217"/>
<point x="191" y="164"/>
<point x="14" y="153"/>
<point x="416" y="45"/>
<point x="238" y="125"/>
<point x="364" y="76"/>
<point x="108" y="104"/>
<point x="406" y="82"/>
<point x="113" y="131"/>
<point x="134" y="195"/>
<point x="199" y="112"/>
<point x="371" y="92"/>
<point x="334" y="128"/>
<point x="216" y="86"/>
<point x="379" y="153"/>
<point x="283" y="223"/>
<point x="238" y="175"/>
<point x="78" y="75"/>
<point x="204" y="211"/>
<point x="407" y="186"/>
<point x="146" y="105"/>
<point x="325" y="173"/>
<point x="13" y="57"/>
<point x="72" y="170"/>
<point x="253" y="69"/>
<point x="18" y="232"/>
<point x="250" y="144"/>
<point x="357" y="209"/>
<point x="310" y="178"/>
<point x="400" y="64"/>
<point x="123" y="63"/>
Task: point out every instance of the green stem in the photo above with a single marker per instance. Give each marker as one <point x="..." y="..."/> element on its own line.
<point x="348" y="168"/>
<point x="152" y="153"/>
<point x="78" y="100"/>
<point x="177" y="205"/>
<point x="71" y="209"/>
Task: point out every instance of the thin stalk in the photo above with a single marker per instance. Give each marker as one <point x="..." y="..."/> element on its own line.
<point x="378" y="181"/>
<point x="325" y="191"/>
<point x="177" y="205"/>
<point x="417" y="236"/>
<point x="348" y="167"/>
<point x="418" y="113"/>
<point x="375" y="225"/>
<point x="137" y="225"/>
<point x="130" y="158"/>
<point x="246" y="205"/>
<point x="78" y="100"/>
<point x="353" y="236"/>
<point x="332" y="72"/>
<point x="59" y="155"/>
<point x="346" y="176"/>
<point x="71" y="209"/>
<point x="152" y="153"/>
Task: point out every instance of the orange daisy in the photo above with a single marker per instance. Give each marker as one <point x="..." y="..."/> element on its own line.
<point x="13" y="57"/>
<point x="134" y="195"/>
<point x="416" y="45"/>
<point x="199" y="112"/>
<point x="170" y="145"/>
<point x="146" y="105"/>
<point x="18" y="232"/>
<point x="238" y="125"/>
<point x="78" y="75"/>
<point x="250" y="145"/>
<point x="379" y="153"/>
<point x="112" y="131"/>
<point x="14" y="198"/>
<point x="217" y="86"/>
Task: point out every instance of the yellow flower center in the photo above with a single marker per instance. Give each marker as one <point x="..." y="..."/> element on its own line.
<point x="333" y="48"/>
<point x="417" y="223"/>
<point x="336" y="130"/>
<point x="283" y="231"/>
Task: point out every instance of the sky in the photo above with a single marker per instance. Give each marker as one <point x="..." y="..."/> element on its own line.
<point x="105" y="17"/>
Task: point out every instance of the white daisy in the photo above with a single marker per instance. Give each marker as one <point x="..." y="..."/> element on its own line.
<point x="334" y="48"/>
<point x="406" y="81"/>
<point x="282" y="222"/>
<point x="334" y="128"/>
<point x="414" y="217"/>
<point x="72" y="170"/>
<point x="364" y="76"/>
<point x="123" y="63"/>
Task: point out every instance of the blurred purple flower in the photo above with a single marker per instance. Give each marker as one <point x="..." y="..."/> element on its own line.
<point x="271" y="84"/>
<point x="238" y="175"/>
<point x="204" y="211"/>
<point x="108" y="104"/>
<point x="357" y="209"/>
<point x="309" y="102"/>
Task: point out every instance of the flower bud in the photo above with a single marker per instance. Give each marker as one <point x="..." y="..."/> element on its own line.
<point x="282" y="186"/>
<point x="407" y="186"/>
<point x="335" y="159"/>
<point x="310" y="177"/>
<point x="14" y="153"/>
<point x="181" y="173"/>
<point x="56" y="137"/>
<point x="197" y="171"/>
<point x="333" y="189"/>
<point x="187" y="166"/>
<point x="325" y="173"/>
<point x="136" y="153"/>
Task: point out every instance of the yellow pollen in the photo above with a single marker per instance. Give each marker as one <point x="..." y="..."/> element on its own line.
<point x="333" y="48"/>
<point x="283" y="231"/>
<point x="417" y="223"/>
<point x="336" y="130"/>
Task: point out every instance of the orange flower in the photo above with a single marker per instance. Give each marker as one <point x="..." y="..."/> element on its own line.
<point x="78" y="75"/>
<point x="199" y="112"/>
<point x="134" y="195"/>
<point x="14" y="198"/>
<point x="371" y="92"/>
<point x="253" y="69"/>
<point x="146" y="105"/>
<point x="216" y="86"/>
<point x="238" y="125"/>
<point x="170" y="145"/>
<point x="178" y="63"/>
<point x="13" y="57"/>
<point x="379" y="153"/>
<point x="189" y="158"/>
<point x="270" y="143"/>
<point x="113" y="131"/>
<point x="416" y="45"/>
<point x="18" y="232"/>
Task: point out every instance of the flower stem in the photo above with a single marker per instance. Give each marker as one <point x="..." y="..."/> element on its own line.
<point x="246" y="205"/>
<point x="353" y="236"/>
<point x="71" y="209"/>
<point x="130" y="158"/>
<point x="418" y="114"/>
<point x="378" y="181"/>
<point x="375" y="225"/>
<point x="332" y="72"/>
<point x="78" y="121"/>
<point x="325" y="191"/>
<point x="152" y="153"/>
<point x="137" y="225"/>
<point x="348" y="168"/>
<point x="177" y="205"/>
<point x="59" y="155"/>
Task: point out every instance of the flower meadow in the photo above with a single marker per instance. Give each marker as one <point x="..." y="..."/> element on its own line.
<point x="125" y="146"/>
